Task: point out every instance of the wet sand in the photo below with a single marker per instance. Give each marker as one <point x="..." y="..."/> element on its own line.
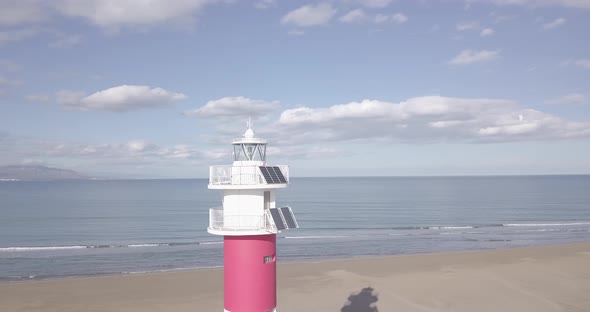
<point x="548" y="278"/>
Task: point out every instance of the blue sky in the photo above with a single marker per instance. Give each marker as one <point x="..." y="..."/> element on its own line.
<point x="157" y="89"/>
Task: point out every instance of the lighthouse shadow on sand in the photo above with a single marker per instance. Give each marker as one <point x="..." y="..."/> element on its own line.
<point x="362" y="301"/>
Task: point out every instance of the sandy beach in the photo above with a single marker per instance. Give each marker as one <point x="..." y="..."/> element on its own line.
<point x="548" y="278"/>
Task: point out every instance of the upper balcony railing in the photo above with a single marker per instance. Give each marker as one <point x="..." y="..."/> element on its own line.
<point x="240" y="175"/>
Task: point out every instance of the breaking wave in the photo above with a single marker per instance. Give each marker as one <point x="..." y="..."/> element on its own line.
<point x="446" y="230"/>
<point x="142" y="245"/>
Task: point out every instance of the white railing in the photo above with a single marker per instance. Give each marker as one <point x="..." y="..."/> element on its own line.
<point x="240" y="175"/>
<point x="220" y="222"/>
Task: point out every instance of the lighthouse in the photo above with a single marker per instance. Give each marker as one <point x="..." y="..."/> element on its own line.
<point x="249" y="221"/>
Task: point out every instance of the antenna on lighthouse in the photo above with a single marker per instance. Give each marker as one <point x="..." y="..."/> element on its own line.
<point x="249" y="134"/>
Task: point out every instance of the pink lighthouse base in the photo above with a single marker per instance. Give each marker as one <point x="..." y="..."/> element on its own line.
<point x="249" y="275"/>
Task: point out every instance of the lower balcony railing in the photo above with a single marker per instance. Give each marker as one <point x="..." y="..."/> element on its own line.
<point x="219" y="221"/>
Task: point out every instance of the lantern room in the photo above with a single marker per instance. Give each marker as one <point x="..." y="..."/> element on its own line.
<point x="249" y="150"/>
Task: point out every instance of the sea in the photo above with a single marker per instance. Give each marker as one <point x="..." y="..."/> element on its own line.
<point x="64" y="229"/>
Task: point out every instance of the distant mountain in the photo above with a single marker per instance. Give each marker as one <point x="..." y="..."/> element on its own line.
<point x="38" y="173"/>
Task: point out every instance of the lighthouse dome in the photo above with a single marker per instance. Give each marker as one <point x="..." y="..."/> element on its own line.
<point x="249" y="134"/>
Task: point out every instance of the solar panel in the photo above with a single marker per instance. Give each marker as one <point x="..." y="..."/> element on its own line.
<point x="276" y="217"/>
<point x="272" y="175"/>
<point x="266" y="174"/>
<point x="289" y="217"/>
<point x="279" y="174"/>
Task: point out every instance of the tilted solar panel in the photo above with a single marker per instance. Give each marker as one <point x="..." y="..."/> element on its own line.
<point x="289" y="217"/>
<point x="279" y="174"/>
<point x="272" y="175"/>
<point x="266" y="174"/>
<point x="276" y="217"/>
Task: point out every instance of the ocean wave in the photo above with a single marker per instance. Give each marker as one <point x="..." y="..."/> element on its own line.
<point x="546" y="224"/>
<point x="489" y="225"/>
<point x="579" y="230"/>
<point x="18" y="278"/>
<point x="316" y="237"/>
<point x="146" y="245"/>
<point x="446" y="227"/>
<point x="48" y="248"/>
<point x="451" y="227"/>
<point x="408" y="227"/>
<point x="443" y="230"/>
<point x="539" y="230"/>
<point x="172" y="269"/>
<point x="21" y="278"/>
<point x="138" y="245"/>
<point x="186" y="244"/>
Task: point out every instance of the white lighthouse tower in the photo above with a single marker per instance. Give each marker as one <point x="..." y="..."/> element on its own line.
<point x="249" y="221"/>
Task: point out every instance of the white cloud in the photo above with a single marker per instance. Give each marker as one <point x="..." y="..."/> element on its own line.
<point x="582" y="4"/>
<point x="127" y="158"/>
<point x="375" y="3"/>
<point x="114" y="14"/>
<point x="140" y="146"/>
<point x="584" y="63"/>
<point x="110" y="14"/>
<point x="381" y="18"/>
<point x="304" y="132"/>
<point x="572" y="98"/>
<point x="310" y="15"/>
<point x="119" y="99"/>
<point x="129" y="153"/>
<point x="235" y="107"/>
<point x="299" y="152"/>
<point x="466" y="57"/>
<point x="264" y="4"/>
<point x="487" y="32"/>
<point x="38" y="98"/>
<point x="428" y="119"/>
<point x="354" y="16"/>
<point x="397" y="18"/>
<point x="467" y="26"/>
<point x="555" y="23"/>
<point x="18" y="12"/>
<point x="68" y="97"/>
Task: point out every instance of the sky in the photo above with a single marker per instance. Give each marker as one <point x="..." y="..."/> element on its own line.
<point x="159" y="88"/>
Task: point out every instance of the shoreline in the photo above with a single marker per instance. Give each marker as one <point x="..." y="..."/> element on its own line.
<point x="536" y="278"/>
<point x="281" y="262"/>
